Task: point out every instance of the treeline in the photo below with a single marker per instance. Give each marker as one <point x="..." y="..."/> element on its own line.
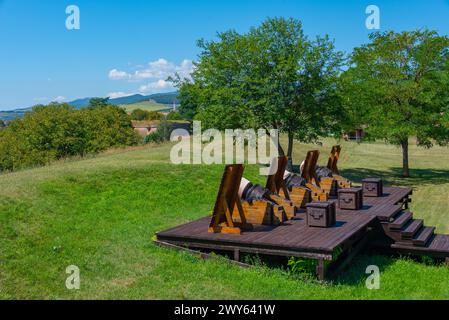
<point x="142" y="115"/>
<point x="58" y="131"/>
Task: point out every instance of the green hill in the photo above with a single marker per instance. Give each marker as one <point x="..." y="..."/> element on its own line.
<point x="100" y="214"/>
<point x="162" y="98"/>
<point x="148" y="106"/>
<point x="153" y="102"/>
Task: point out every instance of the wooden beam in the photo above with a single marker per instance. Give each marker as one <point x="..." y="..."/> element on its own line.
<point x="254" y="250"/>
<point x="236" y="255"/>
<point x="196" y="253"/>
<point x="321" y="270"/>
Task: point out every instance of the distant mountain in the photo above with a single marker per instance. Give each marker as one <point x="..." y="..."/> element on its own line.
<point x="11" y="115"/>
<point x="162" y="98"/>
<point x="165" y="98"/>
<point x="80" y="103"/>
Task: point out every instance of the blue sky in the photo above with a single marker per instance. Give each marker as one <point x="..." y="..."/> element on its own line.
<point x="126" y="47"/>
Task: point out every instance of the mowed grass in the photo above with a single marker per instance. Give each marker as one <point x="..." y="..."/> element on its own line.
<point x="101" y="214"/>
<point x="147" y="105"/>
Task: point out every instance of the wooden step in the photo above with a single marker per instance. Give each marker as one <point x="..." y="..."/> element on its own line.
<point x="400" y="220"/>
<point x="423" y="236"/>
<point x="411" y="229"/>
<point x="438" y="246"/>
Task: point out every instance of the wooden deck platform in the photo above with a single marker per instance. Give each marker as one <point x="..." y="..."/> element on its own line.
<point x="294" y="238"/>
<point x="386" y="207"/>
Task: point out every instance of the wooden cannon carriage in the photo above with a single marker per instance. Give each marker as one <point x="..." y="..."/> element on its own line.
<point x="254" y="197"/>
<point x="320" y="189"/>
<point x="323" y="176"/>
<point x="261" y="206"/>
<point x="332" y="166"/>
<point x="299" y="195"/>
<point x="232" y="215"/>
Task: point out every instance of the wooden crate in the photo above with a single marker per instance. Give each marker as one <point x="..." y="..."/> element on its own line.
<point x="321" y="214"/>
<point x="350" y="199"/>
<point x="372" y="187"/>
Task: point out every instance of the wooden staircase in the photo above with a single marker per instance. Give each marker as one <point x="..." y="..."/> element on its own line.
<point x="399" y="231"/>
<point x="406" y="231"/>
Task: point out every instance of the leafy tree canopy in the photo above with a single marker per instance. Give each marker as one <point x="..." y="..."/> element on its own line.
<point x="271" y="77"/>
<point x="98" y="103"/>
<point x="397" y="86"/>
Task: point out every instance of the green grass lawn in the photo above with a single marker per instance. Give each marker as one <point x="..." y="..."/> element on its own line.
<point x="101" y="213"/>
<point x="147" y="105"/>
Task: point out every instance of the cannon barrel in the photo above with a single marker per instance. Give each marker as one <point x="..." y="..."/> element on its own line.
<point x="251" y="192"/>
<point x="294" y="180"/>
<point x="323" y="172"/>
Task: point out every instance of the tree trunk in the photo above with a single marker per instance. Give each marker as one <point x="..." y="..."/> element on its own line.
<point x="281" y="151"/>
<point x="290" y="152"/>
<point x="405" y="167"/>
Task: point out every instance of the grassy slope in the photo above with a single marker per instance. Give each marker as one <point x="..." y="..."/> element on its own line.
<point x="146" y="105"/>
<point x="101" y="213"/>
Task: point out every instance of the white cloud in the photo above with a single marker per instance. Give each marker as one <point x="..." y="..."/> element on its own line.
<point x="159" y="69"/>
<point x="59" y="99"/>
<point x="155" y="72"/>
<point x="114" y="95"/>
<point x="156" y="86"/>
<point x="185" y="69"/>
<point x="115" y="74"/>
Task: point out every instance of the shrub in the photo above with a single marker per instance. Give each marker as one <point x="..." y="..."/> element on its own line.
<point x="174" y="115"/>
<point x="154" y="137"/>
<point x="161" y="135"/>
<point x="164" y="129"/>
<point x="139" y="115"/>
<point x="58" y="130"/>
<point x="154" y="115"/>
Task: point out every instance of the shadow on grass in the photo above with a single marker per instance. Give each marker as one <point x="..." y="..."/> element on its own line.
<point x="392" y="176"/>
<point x="356" y="272"/>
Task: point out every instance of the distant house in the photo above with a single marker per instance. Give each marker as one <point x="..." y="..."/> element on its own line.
<point x="357" y="134"/>
<point x="144" y="128"/>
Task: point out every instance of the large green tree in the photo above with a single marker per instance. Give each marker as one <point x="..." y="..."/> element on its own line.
<point x="272" y="77"/>
<point x="397" y="86"/>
